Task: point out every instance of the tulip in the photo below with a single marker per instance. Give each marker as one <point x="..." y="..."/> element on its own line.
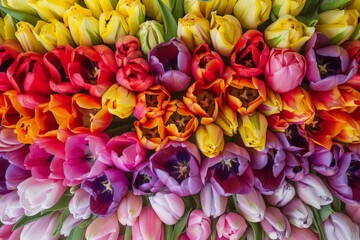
<point x="287" y="7"/>
<point x="312" y="191"/>
<point x="170" y="63"/>
<point x="152" y="9"/>
<point x="353" y="212"/>
<point x="281" y="65"/>
<point x="224" y="7"/>
<point x="60" y="108"/>
<point x="168" y="206"/>
<point x="250" y="54"/>
<point x="298" y="213"/>
<point x="98" y="7"/>
<point x="83" y="26"/>
<point x="8" y="28"/>
<point x="10" y="209"/>
<point x="193" y="31"/>
<point x="148" y="226"/>
<point x="150" y="34"/>
<point x="206" y="65"/>
<point x="201" y="9"/>
<point x="339" y="226"/>
<point x="7" y="232"/>
<point x="42" y="229"/>
<point x="79" y="205"/>
<point x="129" y="208"/>
<point x="210" y="139"/>
<point x="230" y="226"/>
<point x="48" y="193"/>
<point x="177" y="165"/>
<point x="287" y="32"/>
<point x="325" y="161"/>
<point x="27" y="130"/>
<point x="127" y="48"/>
<point x="302" y="233"/>
<point x="212" y="203"/>
<point x="69" y="224"/>
<point x="252" y="13"/>
<point x="325" y="75"/>
<point x="51" y="9"/>
<point x="199" y="226"/>
<point x="145" y="181"/>
<point x="106" y="228"/>
<point x="25" y="34"/>
<point x="151" y="132"/>
<point x="22" y="6"/>
<point x="252" y="129"/>
<point x="297" y="166"/>
<point x="8" y="140"/>
<point x="227" y="120"/>
<point x="112" y="26"/>
<point x="282" y="195"/>
<point x="251" y="206"/>
<point x="275" y="224"/>
<point x="337" y="25"/>
<point x="134" y="13"/>
<point x="220" y="26"/>
<point x="106" y="190"/>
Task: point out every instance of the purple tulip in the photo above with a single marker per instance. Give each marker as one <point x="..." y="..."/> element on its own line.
<point x="12" y="170"/>
<point x="275" y="224"/>
<point x="298" y="213"/>
<point x="145" y="181"/>
<point x="106" y="191"/>
<point x="212" y="203"/>
<point x="10" y="208"/>
<point x="177" y="165"/>
<point x="282" y="196"/>
<point x="328" y="65"/>
<point x="353" y="211"/>
<point x="230" y="171"/>
<point x="268" y="165"/>
<point x="345" y="183"/>
<point x="297" y="167"/>
<point x="170" y="63"/>
<point x="338" y="226"/>
<point x="324" y="161"/>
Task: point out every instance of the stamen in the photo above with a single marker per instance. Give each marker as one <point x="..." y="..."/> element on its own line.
<point x="107" y="186"/>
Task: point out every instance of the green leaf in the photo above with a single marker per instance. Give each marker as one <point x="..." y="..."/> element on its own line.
<point x="180" y="225"/>
<point x="325" y="212"/>
<point x="113" y="3"/>
<point x="318" y="223"/>
<point x="76" y="234"/>
<point x="20" y="16"/>
<point x="28" y="219"/>
<point x="309" y="14"/>
<point x="60" y="205"/>
<point x="178" y="9"/>
<point x="62" y="217"/>
<point x="258" y="233"/>
<point x="170" y="25"/>
<point x="327" y="5"/>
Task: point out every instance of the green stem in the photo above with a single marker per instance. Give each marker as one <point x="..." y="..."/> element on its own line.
<point x="213" y="227"/>
<point x="197" y="201"/>
<point x="318" y="223"/>
<point x="235" y="203"/>
<point x="168" y="231"/>
<point x="128" y="233"/>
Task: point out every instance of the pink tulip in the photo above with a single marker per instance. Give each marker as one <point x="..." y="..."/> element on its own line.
<point x="129" y="208"/>
<point x="251" y="206"/>
<point x="284" y="70"/>
<point x="69" y="224"/>
<point x="212" y="203"/>
<point x="275" y="224"/>
<point x="37" y="195"/>
<point x="148" y="226"/>
<point x="338" y="226"/>
<point x="7" y="233"/>
<point x="79" y="204"/>
<point x="298" y="213"/>
<point x="10" y="208"/>
<point x="199" y="226"/>
<point x="230" y="226"/>
<point x="284" y="194"/>
<point x="41" y="229"/>
<point x="103" y="228"/>
<point x="168" y="206"/>
<point x="353" y="211"/>
<point x="302" y="234"/>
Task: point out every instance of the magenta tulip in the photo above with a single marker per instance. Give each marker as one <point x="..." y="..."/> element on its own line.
<point x="353" y="211"/>
<point x="302" y="234"/>
<point x="7" y="232"/>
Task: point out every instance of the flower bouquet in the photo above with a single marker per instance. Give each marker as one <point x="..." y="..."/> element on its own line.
<point x="179" y="119"/>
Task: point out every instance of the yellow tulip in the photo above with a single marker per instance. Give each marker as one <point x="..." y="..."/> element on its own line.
<point x="150" y="34"/>
<point x="227" y="120"/>
<point x="252" y="13"/>
<point x="353" y="4"/>
<point x="52" y="34"/>
<point x="25" y="34"/>
<point x="20" y="5"/>
<point x="48" y="9"/>
<point x="252" y="129"/>
<point x="220" y="27"/>
<point x="2" y="31"/>
<point x="338" y="25"/>
<point x="223" y="7"/>
<point x="112" y="26"/>
<point x="284" y="7"/>
<point x="152" y="9"/>
<point x="134" y="13"/>
<point x="210" y="139"/>
<point x="83" y="26"/>
<point x="9" y="27"/>
<point x="287" y="32"/>
<point x="201" y="9"/>
<point x="99" y="6"/>
<point x="193" y="31"/>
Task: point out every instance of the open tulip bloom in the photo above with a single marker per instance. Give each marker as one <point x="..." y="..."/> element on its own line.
<point x="181" y="119"/>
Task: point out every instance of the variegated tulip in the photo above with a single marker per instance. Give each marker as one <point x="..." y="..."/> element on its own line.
<point x="134" y="13"/>
<point x="227" y="119"/>
<point x="151" y="132"/>
<point x="150" y="34"/>
<point x="223" y="7"/>
<point x="252" y="13"/>
<point x="25" y="34"/>
<point x="252" y="129"/>
<point x="112" y="25"/>
<point x="284" y="7"/>
<point x="97" y="7"/>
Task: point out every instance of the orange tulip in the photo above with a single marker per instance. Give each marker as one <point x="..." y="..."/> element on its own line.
<point x="151" y="132"/>
<point x="27" y="130"/>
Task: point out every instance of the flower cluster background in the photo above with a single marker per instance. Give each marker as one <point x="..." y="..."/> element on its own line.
<point x="179" y="119"/>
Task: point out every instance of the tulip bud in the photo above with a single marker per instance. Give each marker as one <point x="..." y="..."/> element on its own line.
<point x="199" y="226"/>
<point x="287" y="32"/>
<point x="312" y="191"/>
<point x="212" y="203"/>
<point x="69" y="224"/>
<point x="8" y="28"/>
<point x="150" y="34"/>
<point x="112" y="26"/>
<point x="220" y="26"/>
<point x="337" y="25"/>
<point x="227" y="120"/>
<point x="285" y="7"/>
<point x="302" y="233"/>
<point x="79" y="205"/>
<point x="152" y="9"/>
<point x="51" y="9"/>
<point x="252" y="129"/>
<point x="252" y="13"/>
<point x="353" y="211"/>
<point x="251" y="206"/>
<point x="129" y="208"/>
<point x="148" y="226"/>
<point x="25" y="35"/>
<point x="210" y="139"/>
<point x="223" y="7"/>
<point x="200" y="9"/>
<point x="97" y="7"/>
<point x="298" y="213"/>
<point x="10" y="209"/>
<point x="84" y="27"/>
<point x="134" y="13"/>
<point x="230" y="226"/>
<point x="193" y="31"/>
<point x="282" y="196"/>
<point x="106" y="228"/>
<point x="275" y="224"/>
<point x="339" y="226"/>
<point x="168" y="206"/>
<point x="41" y="229"/>
<point x="19" y="5"/>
